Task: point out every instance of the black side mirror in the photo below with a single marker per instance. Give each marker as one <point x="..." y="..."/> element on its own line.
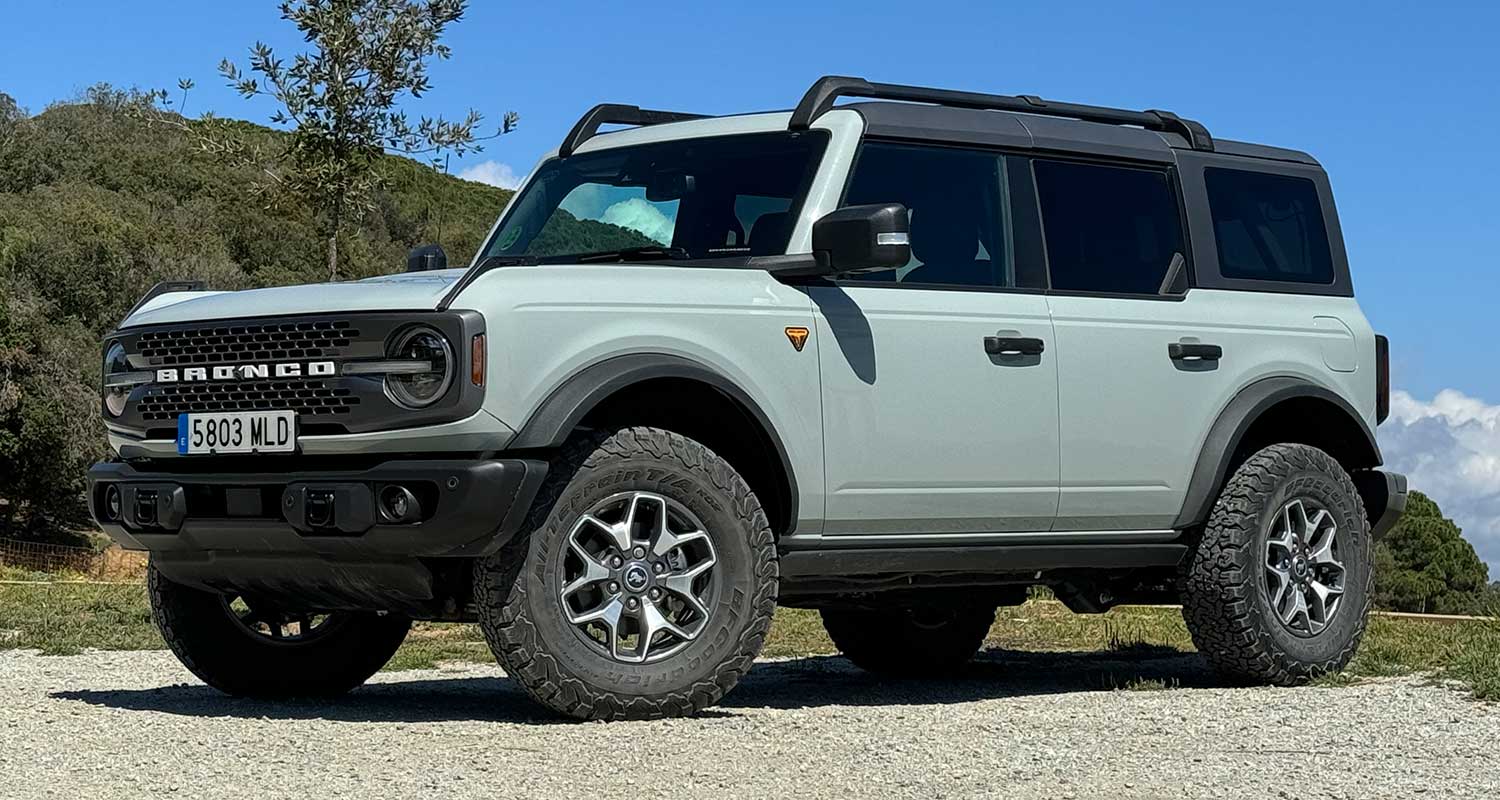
<point x="863" y="239"/>
<point x="426" y="257"/>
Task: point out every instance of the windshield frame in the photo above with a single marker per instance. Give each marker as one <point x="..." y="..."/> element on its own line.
<point x="819" y="153"/>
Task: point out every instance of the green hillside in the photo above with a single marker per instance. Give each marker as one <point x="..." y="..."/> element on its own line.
<point x="97" y="204"/>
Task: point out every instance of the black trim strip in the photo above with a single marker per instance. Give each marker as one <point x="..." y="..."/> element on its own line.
<point x="821" y="96"/>
<point x="165" y="287"/>
<point x="616" y="114"/>
<point x="971" y="559"/>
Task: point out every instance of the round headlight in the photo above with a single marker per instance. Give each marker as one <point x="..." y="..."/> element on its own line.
<point x="114" y="363"/>
<point x="421" y="389"/>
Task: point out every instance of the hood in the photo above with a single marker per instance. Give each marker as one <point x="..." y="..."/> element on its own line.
<point x="418" y="291"/>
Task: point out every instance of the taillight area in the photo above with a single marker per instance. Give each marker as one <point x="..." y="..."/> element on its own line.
<point x="1382" y="378"/>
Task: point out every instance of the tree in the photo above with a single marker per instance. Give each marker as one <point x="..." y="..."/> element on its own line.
<point x="342" y="99"/>
<point x="1425" y="565"/>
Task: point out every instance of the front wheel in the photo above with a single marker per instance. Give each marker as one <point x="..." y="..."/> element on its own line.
<point x="644" y="587"/>
<point x="1279" y="586"/>
<point x="920" y="641"/>
<point x="256" y="647"/>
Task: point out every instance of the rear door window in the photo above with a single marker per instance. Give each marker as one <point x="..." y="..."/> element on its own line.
<point x="1108" y="229"/>
<point x="1268" y="227"/>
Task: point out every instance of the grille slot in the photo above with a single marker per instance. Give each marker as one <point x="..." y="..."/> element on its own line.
<point x="306" y="396"/>
<point x="223" y="344"/>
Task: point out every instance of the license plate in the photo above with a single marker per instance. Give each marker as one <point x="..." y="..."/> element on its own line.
<point x="237" y="432"/>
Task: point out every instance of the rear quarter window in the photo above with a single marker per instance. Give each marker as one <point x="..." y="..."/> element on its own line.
<point x="1268" y="227"/>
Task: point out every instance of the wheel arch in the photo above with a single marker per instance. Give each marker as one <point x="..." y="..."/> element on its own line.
<point x="1271" y="410"/>
<point x="610" y="390"/>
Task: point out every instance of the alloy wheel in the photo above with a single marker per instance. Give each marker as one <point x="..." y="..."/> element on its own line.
<point x="638" y="578"/>
<point x="1304" y="571"/>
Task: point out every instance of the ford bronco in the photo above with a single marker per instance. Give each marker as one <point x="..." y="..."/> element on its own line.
<point x="898" y="360"/>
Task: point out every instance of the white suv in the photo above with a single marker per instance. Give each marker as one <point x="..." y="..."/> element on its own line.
<point x="896" y="361"/>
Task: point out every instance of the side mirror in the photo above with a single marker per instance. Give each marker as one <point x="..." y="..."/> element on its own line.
<point x="426" y="257"/>
<point x="863" y="239"/>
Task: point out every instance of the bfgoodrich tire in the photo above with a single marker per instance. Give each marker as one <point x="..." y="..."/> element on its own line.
<point x="251" y="648"/>
<point x="926" y="641"/>
<point x="1278" y="589"/>
<point x="643" y="586"/>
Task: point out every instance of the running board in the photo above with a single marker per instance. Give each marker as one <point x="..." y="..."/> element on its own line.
<point x="973" y="559"/>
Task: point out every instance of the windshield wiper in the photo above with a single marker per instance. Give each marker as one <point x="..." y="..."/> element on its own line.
<point x="491" y="262"/>
<point x="646" y="253"/>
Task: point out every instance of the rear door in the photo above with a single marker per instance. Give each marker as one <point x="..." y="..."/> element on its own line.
<point x="1131" y="413"/>
<point x="926" y="432"/>
<point x="1143" y="374"/>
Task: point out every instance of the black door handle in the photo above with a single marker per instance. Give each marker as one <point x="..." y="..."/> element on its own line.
<point x="1189" y="351"/>
<point x="1013" y="346"/>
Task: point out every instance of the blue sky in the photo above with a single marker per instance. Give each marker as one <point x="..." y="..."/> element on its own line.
<point x="1400" y="101"/>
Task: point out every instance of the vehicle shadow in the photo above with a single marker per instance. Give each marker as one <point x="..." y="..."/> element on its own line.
<point x="808" y="682"/>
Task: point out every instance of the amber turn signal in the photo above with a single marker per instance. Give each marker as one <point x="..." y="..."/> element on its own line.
<point x="476" y="360"/>
<point x="797" y="336"/>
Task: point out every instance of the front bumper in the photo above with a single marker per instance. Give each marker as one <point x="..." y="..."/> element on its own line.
<point x="273" y="532"/>
<point x="1384" y="494"/>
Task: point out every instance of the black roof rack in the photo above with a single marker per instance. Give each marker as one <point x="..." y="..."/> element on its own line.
<point x="826" y="90"/>
<point x="616" y="114"/>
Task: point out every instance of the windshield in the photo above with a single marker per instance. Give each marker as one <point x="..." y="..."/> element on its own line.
<point x="689" y="198"/>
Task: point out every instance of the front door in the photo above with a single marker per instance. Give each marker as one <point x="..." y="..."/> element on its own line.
<point x="939" y="379"/>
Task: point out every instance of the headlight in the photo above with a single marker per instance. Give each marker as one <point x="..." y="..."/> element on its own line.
<point x="421" y="389"/>
<point x="115" y="363"/>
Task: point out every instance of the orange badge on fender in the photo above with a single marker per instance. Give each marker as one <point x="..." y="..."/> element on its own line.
<point x="797" y="336"/>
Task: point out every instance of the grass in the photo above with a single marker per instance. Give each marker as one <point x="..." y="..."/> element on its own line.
<point x="12" y="573"/>
<point x="67" y="618"/>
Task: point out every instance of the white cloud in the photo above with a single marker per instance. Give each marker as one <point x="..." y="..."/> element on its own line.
<point x="1450" y="449"/>
<point x="641" y="216"/>
<point x="492" y="172"/>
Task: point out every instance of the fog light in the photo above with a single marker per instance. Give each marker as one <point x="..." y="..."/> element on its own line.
<point x="399" y="505"/>
<point x="112" y="504"/>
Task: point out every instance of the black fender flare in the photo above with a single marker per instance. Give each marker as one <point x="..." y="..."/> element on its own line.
<point x="1223" y="440"/>
<point x="566" y="405"/>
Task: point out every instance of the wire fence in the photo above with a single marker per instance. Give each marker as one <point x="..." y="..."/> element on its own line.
<point x="86" y="563"/>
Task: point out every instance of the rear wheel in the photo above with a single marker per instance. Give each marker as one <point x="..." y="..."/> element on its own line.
<point x="919" y="641"/>
<point x="256" y="647"/>
<point x="1279" y="586"/>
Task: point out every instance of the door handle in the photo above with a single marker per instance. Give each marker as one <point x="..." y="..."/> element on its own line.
<point x="1192" y="351"/>
<point x="1013" y="346"/>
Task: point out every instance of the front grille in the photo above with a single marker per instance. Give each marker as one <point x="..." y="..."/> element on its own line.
<point x="326" y="405"/>
<point x="305" y="396"/>
<point x="240" y="342"/>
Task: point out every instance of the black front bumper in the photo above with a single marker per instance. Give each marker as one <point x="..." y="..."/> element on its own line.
<point x="254" y="532"/>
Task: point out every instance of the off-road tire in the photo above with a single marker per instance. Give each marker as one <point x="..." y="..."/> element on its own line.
<point x="522" y="617"/>
<point x="1225" y="599"/>
<point x="899" y="642"/>
<point x="225" y="655"/>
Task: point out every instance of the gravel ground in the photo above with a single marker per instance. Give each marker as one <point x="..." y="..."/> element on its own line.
<point x="120" y="724"/>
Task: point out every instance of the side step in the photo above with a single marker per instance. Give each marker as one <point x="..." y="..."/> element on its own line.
<point x="971" y="559"/>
